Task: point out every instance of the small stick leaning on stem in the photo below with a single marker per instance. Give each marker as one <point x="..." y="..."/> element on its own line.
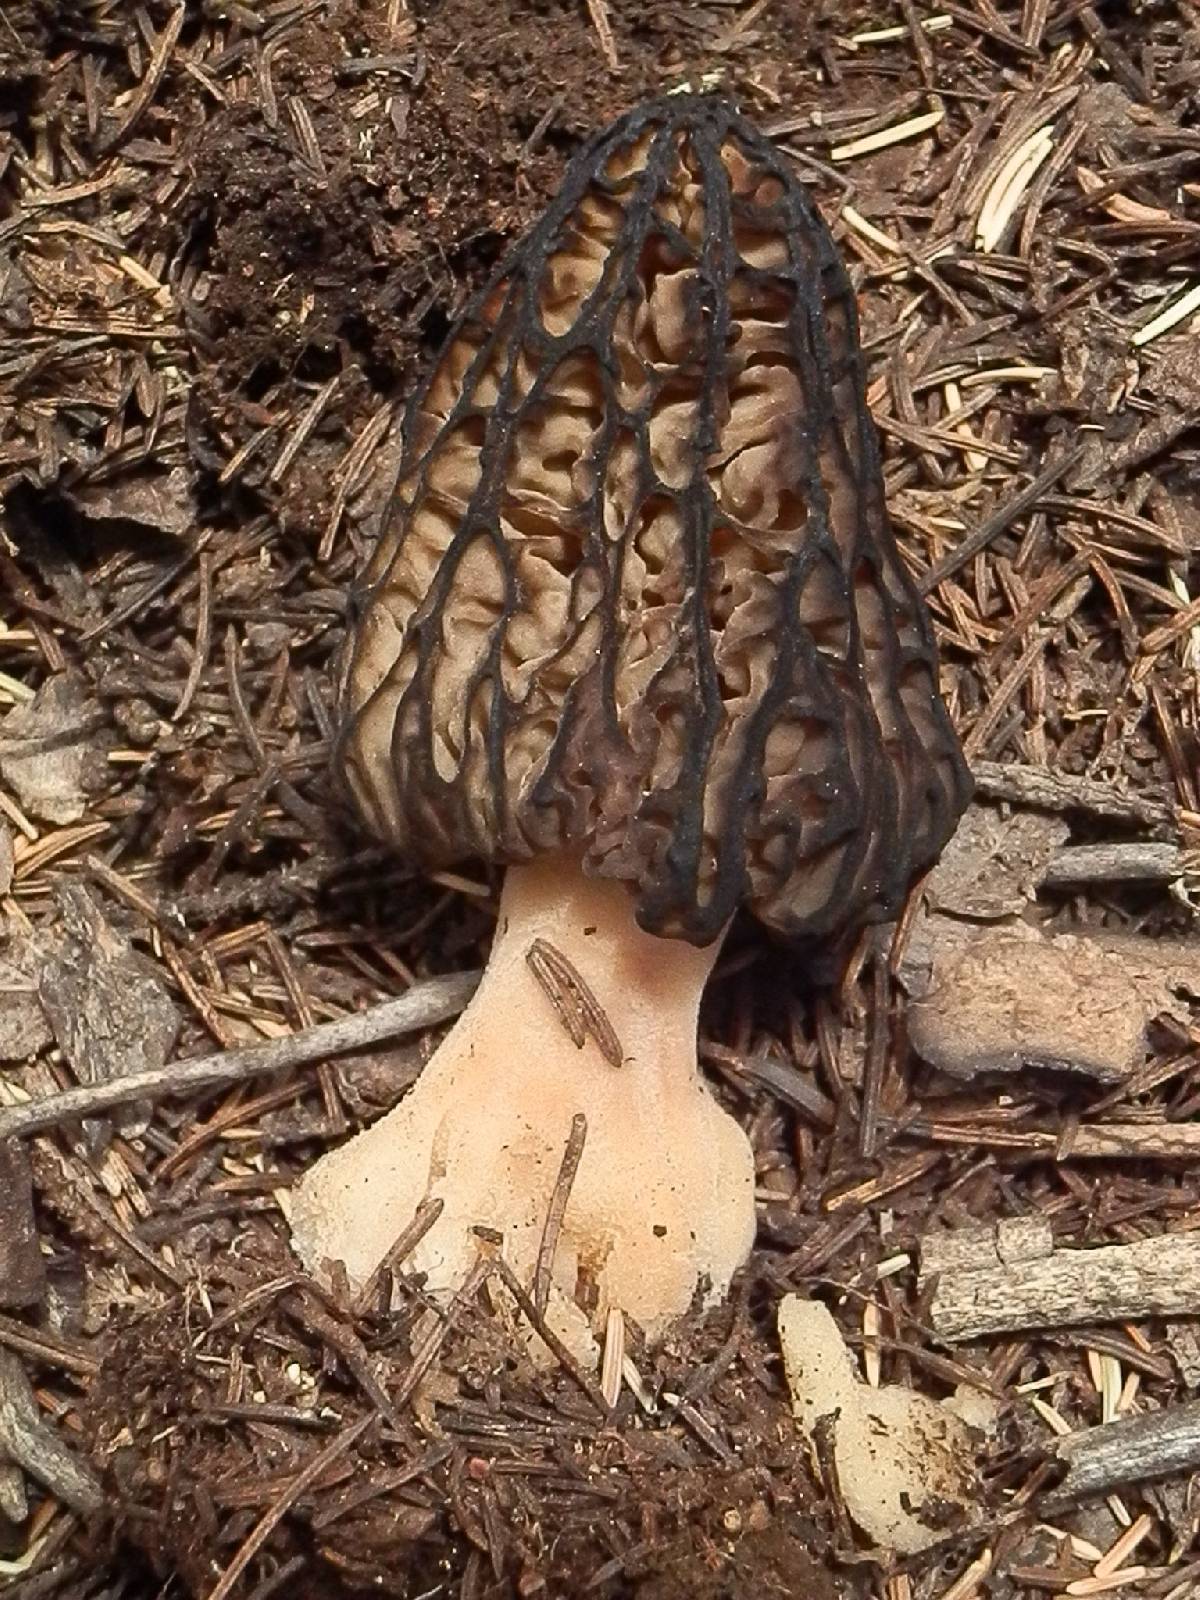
<point x="425" y="1004"/>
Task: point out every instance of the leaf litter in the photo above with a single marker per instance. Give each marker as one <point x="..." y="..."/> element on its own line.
<point x="227" y="237"/>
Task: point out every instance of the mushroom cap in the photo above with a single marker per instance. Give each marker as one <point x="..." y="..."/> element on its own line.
<point x="636" y="596"/>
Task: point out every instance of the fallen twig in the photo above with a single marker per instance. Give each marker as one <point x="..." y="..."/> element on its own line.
<point x="598" y="11"/>
<point x="1024" y="500"/>
<point x="1007" y="1278"/>
<point x="1137" y="861"/>
<point x="275" y="1513"/>
<point x="142" y="97"/>
<point x="1128" y="1450"/>
<point x="1145" y="1141"/>
<point x="426" y="1003"/>
<point x="34" y="1446"/>
<point x="51" y="1349"/>
<point x="407" y="1241"/>
<point x="1067" y="791"/>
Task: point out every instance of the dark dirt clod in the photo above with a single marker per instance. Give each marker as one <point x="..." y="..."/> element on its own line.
<point x="233" y="1391"/>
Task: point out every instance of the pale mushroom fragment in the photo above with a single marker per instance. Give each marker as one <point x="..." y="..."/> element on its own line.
<point x="905" y="1463"/>
<point x="636" y="629"/>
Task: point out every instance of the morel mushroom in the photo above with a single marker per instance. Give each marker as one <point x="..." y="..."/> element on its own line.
<point x="637" y="629"/>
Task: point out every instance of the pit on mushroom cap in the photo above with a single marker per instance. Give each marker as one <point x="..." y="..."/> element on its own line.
<point x="637" y="617"/>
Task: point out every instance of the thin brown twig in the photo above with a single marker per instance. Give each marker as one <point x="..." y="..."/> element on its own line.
<point x="274" y="1515"/>
<point x="432" y="1001"/>
<point x="49" y="1348"/>
<point x="878" y="1040"/>
<point x="598" y="12"/>
<point x="426" y="1214"/>
<point x="203" y="638"/>
<point x="968" y="548"/>
<point x="35" y="1446"/>
<point x="544" y="1332"/>
<point x="427" y="1351"/>
<point x="148" y="88"/>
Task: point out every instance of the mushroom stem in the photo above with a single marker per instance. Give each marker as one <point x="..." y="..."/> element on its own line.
<point x="662" y="1201"/>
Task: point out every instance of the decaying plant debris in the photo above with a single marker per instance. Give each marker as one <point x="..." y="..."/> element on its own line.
<point x="227" y="233"/>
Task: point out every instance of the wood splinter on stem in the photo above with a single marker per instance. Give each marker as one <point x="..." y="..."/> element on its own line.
<point x="407" y="1241"/>
<point x="580" y="1012"/>
<point x="572" y="1156"/>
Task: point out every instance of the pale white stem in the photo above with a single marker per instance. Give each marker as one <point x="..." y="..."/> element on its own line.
<point x="662" y="1202"/>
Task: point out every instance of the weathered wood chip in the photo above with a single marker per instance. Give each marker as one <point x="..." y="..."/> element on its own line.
<point x="994" y="863"/>
<point x="22" y="1273"/>
<point x="110" y="1012"/>
<point x="164" y="501"/>
<point x="24" y="1030"/>
<point x="45" y="746"/>
<point x="1005" y="998"/>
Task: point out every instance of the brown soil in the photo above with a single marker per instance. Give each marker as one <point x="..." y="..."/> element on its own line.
<point x="556" y="1498"/>
<point x="306" y="202"/>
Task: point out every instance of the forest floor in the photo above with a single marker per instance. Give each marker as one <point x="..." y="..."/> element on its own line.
<point x="230" y="233"/>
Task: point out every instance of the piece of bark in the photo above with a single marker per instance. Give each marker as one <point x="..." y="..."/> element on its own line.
<point x="1153" y="1277"/>
<point x="22" y="1271"/>
<point x="24" y="1030"/>
<point x="1128" y="1450"/>
<point x="48" y="747"/>
<point x="164" y="501"/>
<point x="14" y="1502"/>
<point x="993" y="865"/>
<point x="998" y="999"/>
<point x="29" y="1441"/>
<point x="984" y="1249"/>
<point x="1183" y="1341"/>
<point x="6" y="857"/>
<point x="110" y="1012"/>
<point x="789" y="1085"/>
